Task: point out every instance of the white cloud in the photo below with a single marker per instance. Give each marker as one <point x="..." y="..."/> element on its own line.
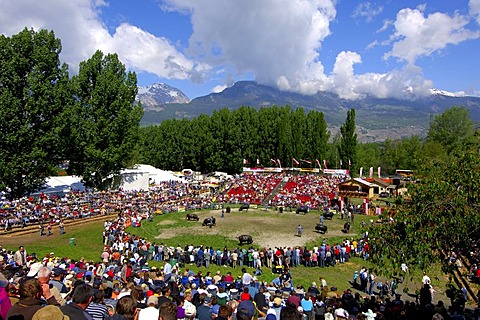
<point x="474" y="7"/>
<point x="219" y="88"/>
<point x="277" y="40"/>
<point x="416" y="35"/>
<point x="78" y="25"/>
<point x="405" y="83"/>
<point x="367" y="10"/>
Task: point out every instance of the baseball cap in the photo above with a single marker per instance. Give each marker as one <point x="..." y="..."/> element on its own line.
<point x="153" y="299"/>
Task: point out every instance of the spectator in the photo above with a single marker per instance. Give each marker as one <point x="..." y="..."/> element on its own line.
<point x="82" y="296"/>
<point x="31" y="293"/>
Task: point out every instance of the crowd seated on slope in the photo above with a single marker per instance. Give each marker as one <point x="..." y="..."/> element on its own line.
<point x="250" y="188"/>
<point x="313" y="191"/>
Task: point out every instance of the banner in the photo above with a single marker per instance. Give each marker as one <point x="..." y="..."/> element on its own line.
<point x="361" y="172"/>
<point x="274" y="161"/>
<point x="371" y="173"/>
<point x="279" y="163"/>
<point x="295" y="161"/>
<point x="258" y="162"/>
<point x="318" y="162"/>
<point x="325" y="163"/>
<point x="340" y="172"/>
<point x="349" y="163"/>
<point x="306" y="161"/>
<point x="245" y="161"/>
<point x="341" y="163"/>
<point x="378" y="171"/>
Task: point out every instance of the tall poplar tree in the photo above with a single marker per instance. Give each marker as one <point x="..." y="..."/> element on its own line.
<point x="348" y="143"/>
<point x="103" y="121"/>
<point x="32" y="96"/>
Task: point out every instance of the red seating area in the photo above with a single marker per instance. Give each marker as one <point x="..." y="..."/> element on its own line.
<point x="252" y="188"/>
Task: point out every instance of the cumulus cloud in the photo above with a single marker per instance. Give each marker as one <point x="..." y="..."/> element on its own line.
<point x="418" y="35"/>
<point x="77" y="23"/>
<point x="277" y="40"/>
<point x="405" y="83"/>
<point x="367" y="10"/>
<point x="474" y="7"/>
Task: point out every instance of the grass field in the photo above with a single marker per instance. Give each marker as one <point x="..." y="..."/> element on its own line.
<point x="268" y="229"/>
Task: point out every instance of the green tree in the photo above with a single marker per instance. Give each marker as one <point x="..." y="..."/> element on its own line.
<point x="439" y="216"/>
<point x="347" y="149"/>
<point x="33" y="92"/>
<point x="452" y="128"/>
<point x="103" y="122"/>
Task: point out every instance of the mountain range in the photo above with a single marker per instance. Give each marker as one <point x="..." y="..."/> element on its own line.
<point x="376" y="119"/>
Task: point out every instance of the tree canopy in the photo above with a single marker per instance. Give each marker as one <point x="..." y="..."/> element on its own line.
<point x="33" y="93"/>
<point x="440" y="214"/>
<point x="47" y="119"/>
<point x="102" y="124"/>
<point x="224" y="140"/>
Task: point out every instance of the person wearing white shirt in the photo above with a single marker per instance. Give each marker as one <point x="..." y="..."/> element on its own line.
<point x="151" y="312"/>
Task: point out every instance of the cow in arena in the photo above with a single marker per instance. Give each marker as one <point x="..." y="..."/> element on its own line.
<point x="210" y="222"/>
<point x="192" y="216"/>
<point x="328" y="215"/>
<point x="245" y="239"/>
<point x="303" y="210"/>
<point x="244" y="206"/>
<point x="321" y="228"/>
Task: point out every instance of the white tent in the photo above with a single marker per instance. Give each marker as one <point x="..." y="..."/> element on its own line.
<point x="62" y="184"/>
<point x="158" y="175"/>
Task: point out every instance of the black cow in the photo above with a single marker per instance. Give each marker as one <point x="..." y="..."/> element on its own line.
<point x="245" y="239"/>
<point x="346" y="227"/>
<point x="321" y="228"/>
<point x="192" y="216"/>
<point x="209" y="222"/>
<point x="328" y="215"/>
<point x="302" y="210"/>
<point x="244" y="206"/>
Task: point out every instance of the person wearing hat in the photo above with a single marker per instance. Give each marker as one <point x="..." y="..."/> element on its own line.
<point x="204" y="310"/>
<point x="5" y="302"/>
<point x="50" y="313"/>
<point x="58" y="275"/>
<point x="31" y="293"/>
<point x="151" y="311"/>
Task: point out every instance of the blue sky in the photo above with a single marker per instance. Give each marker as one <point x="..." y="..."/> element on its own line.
<point x="353" y="48"/>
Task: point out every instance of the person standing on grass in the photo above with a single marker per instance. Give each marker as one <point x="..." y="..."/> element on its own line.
<point x="299" y="230"/>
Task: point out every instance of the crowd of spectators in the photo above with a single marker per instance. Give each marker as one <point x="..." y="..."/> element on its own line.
<point x="125" y="284"/>
<point x="307" y="190"/>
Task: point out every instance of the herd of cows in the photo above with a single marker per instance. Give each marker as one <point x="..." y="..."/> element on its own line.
<point x="247" y="239"/>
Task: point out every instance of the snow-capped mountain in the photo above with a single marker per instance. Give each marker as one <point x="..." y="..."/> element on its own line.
<point x="155" y="96"/>
<point x="446" y="93"/>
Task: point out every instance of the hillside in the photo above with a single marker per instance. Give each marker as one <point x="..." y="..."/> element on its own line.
<point x="377" y="119"/>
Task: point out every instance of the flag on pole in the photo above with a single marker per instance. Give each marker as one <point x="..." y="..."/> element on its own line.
<point x="371" y="172"/>
<point x="279" y="163"/>
<point x="274" y="161"/>
<point x="318" y="162"/>
<point x="258" y="162"/>
<point x="378" y="171"/>
<point x="245" y="161"/>
<point x="325" y="164"/>
<point x="295" y="161"/>
<point x="361" y="172"/>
